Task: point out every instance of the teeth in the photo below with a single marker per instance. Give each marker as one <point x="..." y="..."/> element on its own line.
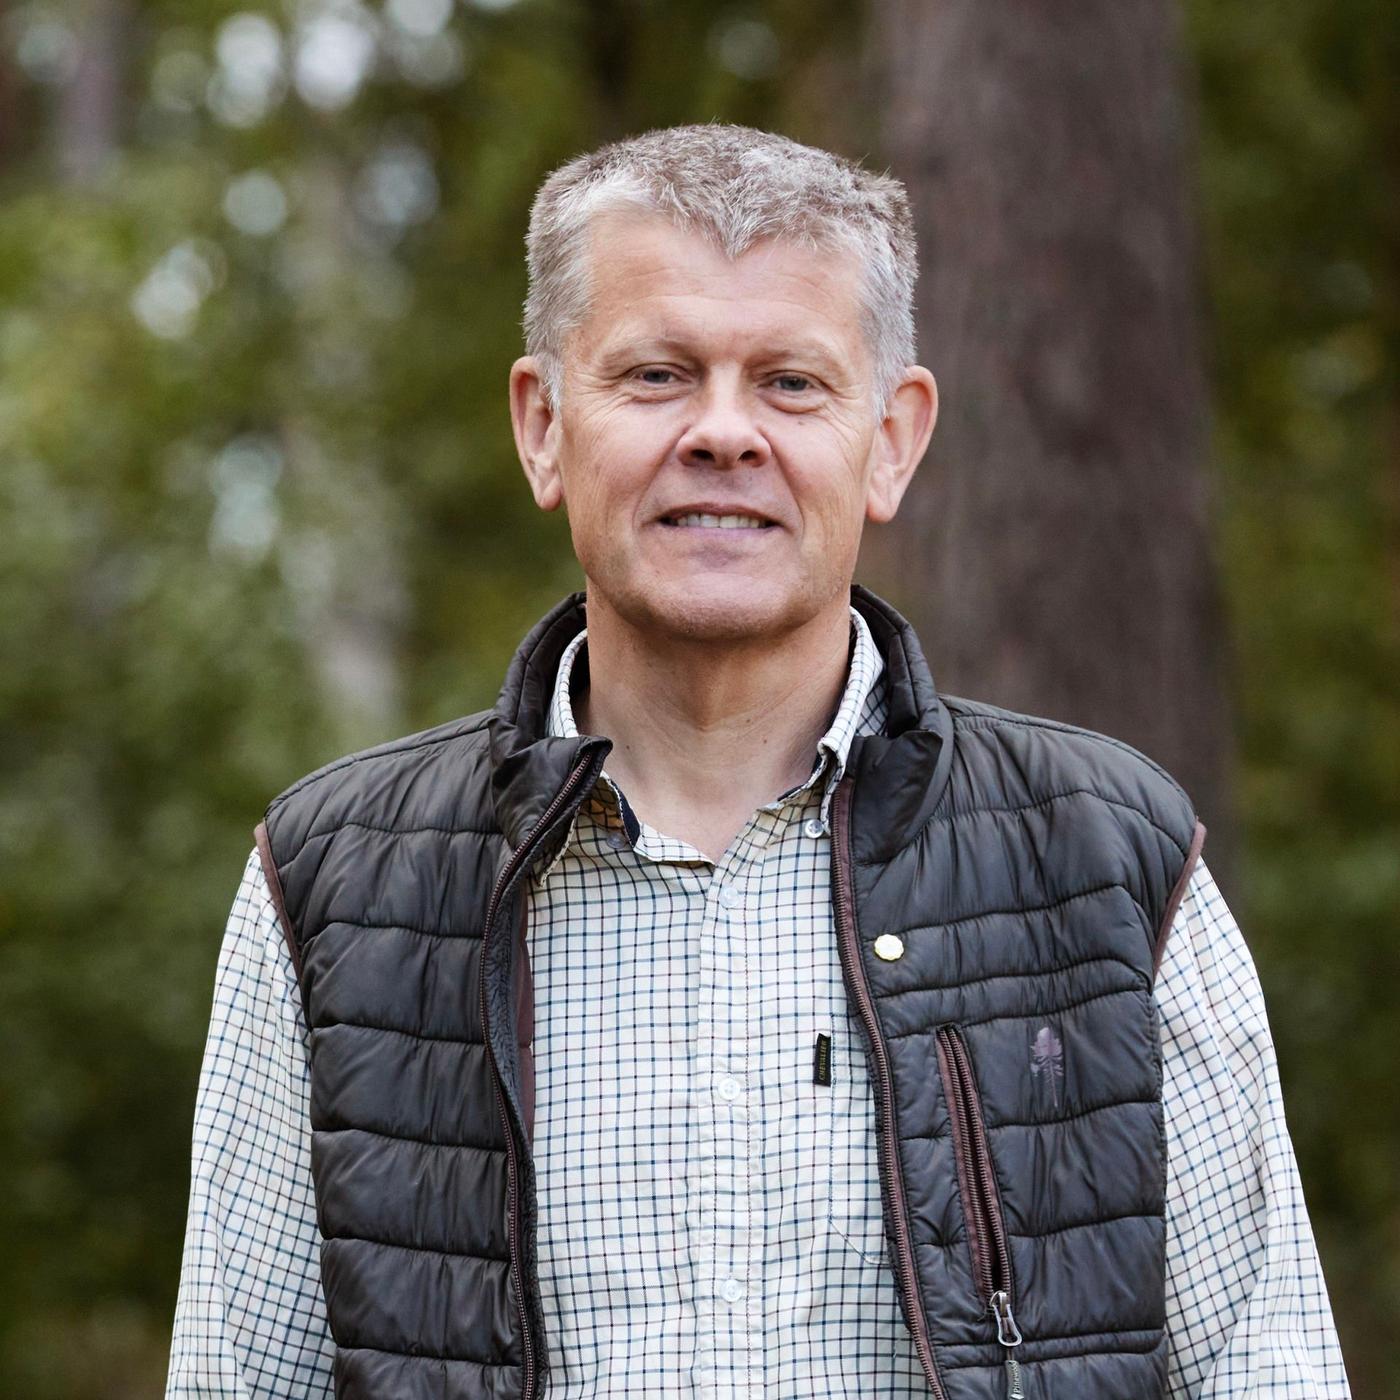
<point x="722" y="522"/>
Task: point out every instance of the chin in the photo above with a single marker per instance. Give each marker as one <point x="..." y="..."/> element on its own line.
<point x="714" y="610"/>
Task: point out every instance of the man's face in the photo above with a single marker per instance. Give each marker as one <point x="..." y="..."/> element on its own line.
<point x="715" y="447"/>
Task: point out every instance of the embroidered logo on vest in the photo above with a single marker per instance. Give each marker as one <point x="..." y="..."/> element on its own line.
<point x="1048" y="1064"/>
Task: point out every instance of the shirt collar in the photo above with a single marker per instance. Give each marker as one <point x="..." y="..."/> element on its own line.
<point x="859" y="707"/>
<point x="861" y="710"/>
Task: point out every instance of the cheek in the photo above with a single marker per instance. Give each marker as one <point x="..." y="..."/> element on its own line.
<point x="589" y="515"/>
<point x="829" y="479"/>
<point x="593" y="543"/>
<point x="832" y="502"/>
<point x="600" y="499"/>
<point x="610" y="465"/>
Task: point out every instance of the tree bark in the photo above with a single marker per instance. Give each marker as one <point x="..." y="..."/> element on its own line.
<point x="9" y="112"/>
<point x="1054" y="549"/>
<point x="91" y="106"/>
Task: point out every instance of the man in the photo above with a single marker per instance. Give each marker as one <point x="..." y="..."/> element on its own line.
<point x="727" y="1011"/>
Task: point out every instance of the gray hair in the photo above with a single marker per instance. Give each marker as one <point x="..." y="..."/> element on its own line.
<point x="734" y="185"/>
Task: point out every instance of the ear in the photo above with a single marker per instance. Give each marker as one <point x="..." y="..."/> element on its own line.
<point x="901" y="441"/>
<point x="536" y="427"/>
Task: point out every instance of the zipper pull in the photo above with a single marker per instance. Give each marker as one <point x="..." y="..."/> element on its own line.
<point x="1009" y="1335"/>
<point x="1014" y="1389"/>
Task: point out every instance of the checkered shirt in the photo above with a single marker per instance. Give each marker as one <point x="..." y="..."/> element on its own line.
<point x="709" y="1214"/>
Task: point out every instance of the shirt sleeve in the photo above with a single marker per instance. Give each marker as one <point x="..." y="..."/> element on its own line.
<point x="250" y="1321"/>
<point x="1248" y="1315"/>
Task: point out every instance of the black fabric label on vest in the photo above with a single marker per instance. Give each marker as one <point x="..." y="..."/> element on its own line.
<point x="821" y="1063"/>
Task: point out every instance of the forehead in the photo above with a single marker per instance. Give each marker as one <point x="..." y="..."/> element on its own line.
<point x="650" y="279"/>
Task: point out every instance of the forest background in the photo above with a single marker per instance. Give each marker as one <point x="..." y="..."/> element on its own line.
<point x="261" y="270"/>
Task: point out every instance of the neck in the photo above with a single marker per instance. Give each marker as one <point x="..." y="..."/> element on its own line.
<point x="706" y="732"/>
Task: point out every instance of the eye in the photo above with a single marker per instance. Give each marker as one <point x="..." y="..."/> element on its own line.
<point x="793" y="383"/>
<point x="644" y="374"/>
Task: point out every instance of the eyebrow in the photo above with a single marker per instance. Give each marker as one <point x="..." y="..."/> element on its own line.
<point x="804" y="348"/>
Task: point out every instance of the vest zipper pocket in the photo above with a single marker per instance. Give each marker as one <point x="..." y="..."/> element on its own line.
<point x="981" y="1199"/>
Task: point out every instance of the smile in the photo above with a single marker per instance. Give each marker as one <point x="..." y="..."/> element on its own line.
<point x="717" y="522"/>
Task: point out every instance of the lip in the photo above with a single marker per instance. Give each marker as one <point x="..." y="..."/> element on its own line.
<point x="712" y="508"/>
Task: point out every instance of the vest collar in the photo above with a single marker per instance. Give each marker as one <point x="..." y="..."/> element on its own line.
<point x="899" y="775"/>
<point x="527" y="765"/>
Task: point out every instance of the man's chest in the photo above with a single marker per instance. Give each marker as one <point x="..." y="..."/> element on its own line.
<point x="704" y="1137"/>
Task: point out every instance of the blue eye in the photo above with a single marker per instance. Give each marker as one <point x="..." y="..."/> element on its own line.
<point x="802" y="382"/>
<point x="643" y="373"/>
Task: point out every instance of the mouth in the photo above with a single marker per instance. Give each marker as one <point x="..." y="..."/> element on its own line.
<point x="710" y="520"/>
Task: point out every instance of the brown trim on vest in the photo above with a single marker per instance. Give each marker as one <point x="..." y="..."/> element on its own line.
<point x="1178" y="893"/>
<point x="525" y="1021"/>
<point x="274" y="888"/>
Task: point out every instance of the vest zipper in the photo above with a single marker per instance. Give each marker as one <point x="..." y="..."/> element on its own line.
<point x="580" y="779"/>
<point x="977" y="1185"/>
<point x="891" y="1176"/>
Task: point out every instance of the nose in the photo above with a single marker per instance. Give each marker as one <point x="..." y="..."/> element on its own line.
<point x="723" y="431"/>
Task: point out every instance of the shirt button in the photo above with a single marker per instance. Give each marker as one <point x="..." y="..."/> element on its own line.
<point x="729" y="1087"/>
<point x="618" y="840"/>
<point x="731" y="1290"/>
<point x="729" y="896"/>
<point x="814" y="827"/>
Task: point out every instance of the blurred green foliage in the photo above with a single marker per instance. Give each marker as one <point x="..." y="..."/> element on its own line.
<point x="1300" y="200"/>
<point x="259" y="505"/>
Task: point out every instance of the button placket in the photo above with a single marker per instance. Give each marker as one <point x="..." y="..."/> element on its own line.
<point x="726" y="1206"/>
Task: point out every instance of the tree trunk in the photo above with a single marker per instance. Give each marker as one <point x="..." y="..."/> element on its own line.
<point x="1054" y="548"/>
<point x="92" y="103"/>
<point x="9" y="112"/>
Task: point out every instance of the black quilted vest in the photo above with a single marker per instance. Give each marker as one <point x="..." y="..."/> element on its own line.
<point x="1001" y="889"/>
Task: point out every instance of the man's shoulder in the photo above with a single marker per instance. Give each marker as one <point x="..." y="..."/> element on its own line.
<point x="1054" y="756"/>
<point x="371" y="779"/>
